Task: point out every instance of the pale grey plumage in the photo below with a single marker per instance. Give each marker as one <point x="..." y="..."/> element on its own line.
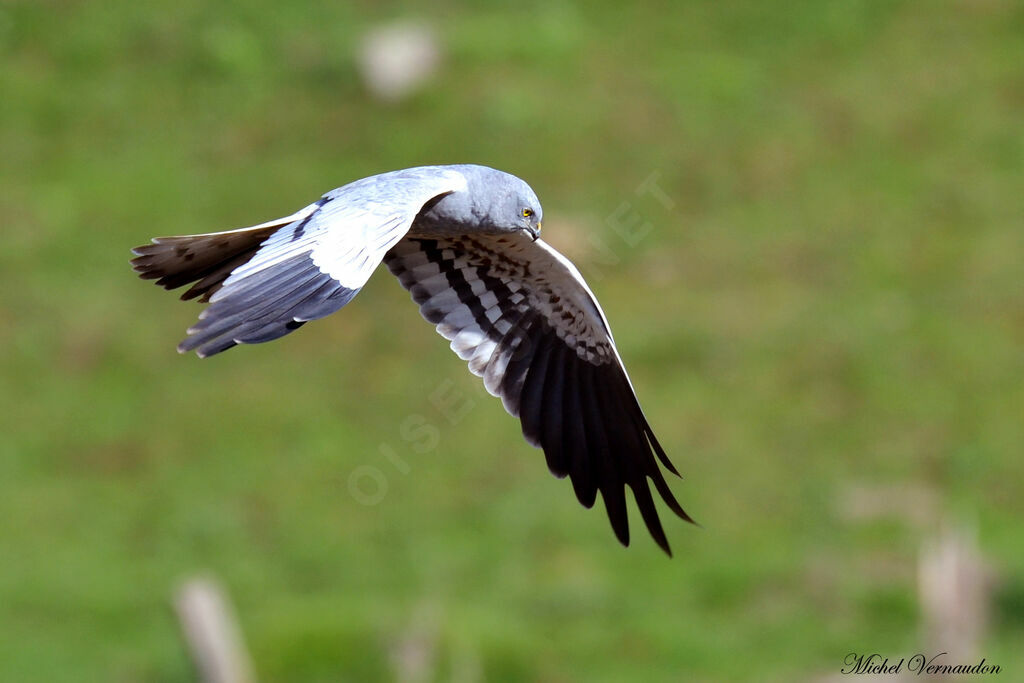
<point x="464" y="241"/>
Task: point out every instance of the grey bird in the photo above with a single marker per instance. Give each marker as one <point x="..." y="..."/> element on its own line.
<point x="464" y="240"/>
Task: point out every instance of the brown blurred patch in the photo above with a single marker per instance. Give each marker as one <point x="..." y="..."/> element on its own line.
<point x="113" y="457"/>
<point x="915" y="504"/>
<point x="574" y="236"/>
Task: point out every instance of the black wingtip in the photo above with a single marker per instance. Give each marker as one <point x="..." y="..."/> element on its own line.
<point x="662" y="542"/>
<point x="666" y="494"/>
<point x="649" y="513"/>
<point x="656" y="446"/>
<point x="657" y="533"/>
<point x="618" y="516"/>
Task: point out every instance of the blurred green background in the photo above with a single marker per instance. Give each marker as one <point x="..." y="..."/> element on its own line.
<point x="824" y="324"/>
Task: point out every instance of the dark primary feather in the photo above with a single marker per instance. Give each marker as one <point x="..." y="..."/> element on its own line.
<point x="574" y="401"/>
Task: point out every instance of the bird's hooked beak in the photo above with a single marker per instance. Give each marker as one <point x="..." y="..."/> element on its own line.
<point x="534" y="232"/>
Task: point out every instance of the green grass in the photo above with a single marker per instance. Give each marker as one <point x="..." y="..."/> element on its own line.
<point x="832" y="299"/>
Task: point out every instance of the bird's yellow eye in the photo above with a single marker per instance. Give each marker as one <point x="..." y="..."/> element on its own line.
<point x="527" y="213"/>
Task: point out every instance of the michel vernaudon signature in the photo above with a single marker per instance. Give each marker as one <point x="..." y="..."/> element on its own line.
<point x="935" y="665"/>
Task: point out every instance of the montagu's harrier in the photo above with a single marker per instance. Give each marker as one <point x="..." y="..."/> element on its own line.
<point x="464" y="241"/>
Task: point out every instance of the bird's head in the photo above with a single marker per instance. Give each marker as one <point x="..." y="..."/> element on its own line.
<point x="522" y="210"/>
<point x="492" y="202"/>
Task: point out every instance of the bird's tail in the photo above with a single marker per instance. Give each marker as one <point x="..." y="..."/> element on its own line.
<point x="281" y="293"/>
<point x="206" y="260"/>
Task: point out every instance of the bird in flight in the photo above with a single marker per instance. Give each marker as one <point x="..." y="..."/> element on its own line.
<point x="465" y="241"/>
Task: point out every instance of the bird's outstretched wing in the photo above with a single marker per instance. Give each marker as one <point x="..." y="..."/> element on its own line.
<point x="522" y="316"/>
<point x="265" y="281"/>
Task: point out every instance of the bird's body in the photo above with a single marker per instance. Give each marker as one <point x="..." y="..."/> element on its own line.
<point x="464" y="241"/>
